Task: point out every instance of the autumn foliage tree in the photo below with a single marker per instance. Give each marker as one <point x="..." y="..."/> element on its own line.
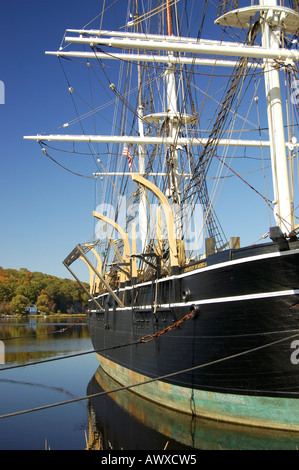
<point x="50" y="294"/>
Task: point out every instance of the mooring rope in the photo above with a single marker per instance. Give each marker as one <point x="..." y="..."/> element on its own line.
<point x="70" y="356"/>
<point x="144" y="339"/>
<point x="162" y="377"/>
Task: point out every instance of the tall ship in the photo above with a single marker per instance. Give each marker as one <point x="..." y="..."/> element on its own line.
<point x="186" y="308"/>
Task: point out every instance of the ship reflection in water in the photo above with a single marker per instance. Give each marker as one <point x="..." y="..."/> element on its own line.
<point x="123" y="420"/>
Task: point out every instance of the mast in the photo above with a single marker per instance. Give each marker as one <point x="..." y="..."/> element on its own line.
<point x="270" y="52"/>
<point x="173" y="129"/>
<point x="273" y="18"/>
<point x="271" y="31"/>
<point x="141" y="155"/>
<point x="169" y="19"/>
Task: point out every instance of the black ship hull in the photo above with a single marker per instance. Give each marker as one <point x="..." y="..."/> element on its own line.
<point x="234" y="358"/>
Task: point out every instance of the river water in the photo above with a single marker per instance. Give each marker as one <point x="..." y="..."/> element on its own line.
<point x="118" y="421"/>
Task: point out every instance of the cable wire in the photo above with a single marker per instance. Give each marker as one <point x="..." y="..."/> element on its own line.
<point x="162" y="377"/>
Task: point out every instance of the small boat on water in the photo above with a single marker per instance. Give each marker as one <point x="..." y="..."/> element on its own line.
<point x="207" y="326"/>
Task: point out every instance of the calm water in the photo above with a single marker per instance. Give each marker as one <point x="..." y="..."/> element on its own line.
<point x="24" y="388"/>
<point x="117" y="421"/>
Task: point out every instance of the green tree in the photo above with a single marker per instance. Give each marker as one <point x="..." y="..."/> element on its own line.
<point x="19" y="302"/>
<point x="6" y="308"/>
<point x="28" y="290"/>
<point x="42" y="303"/>
<point x="61" y="294"/>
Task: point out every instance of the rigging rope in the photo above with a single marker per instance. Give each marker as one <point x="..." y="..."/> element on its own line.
<point x="153" y="12"/>
<point x="62" y="166"/>
<point x="144" y="339"/>
<point x="162" y="377"/>
<point x="244" y="181"/>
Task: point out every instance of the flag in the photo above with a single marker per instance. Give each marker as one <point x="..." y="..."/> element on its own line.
<point x="126" y="153"/>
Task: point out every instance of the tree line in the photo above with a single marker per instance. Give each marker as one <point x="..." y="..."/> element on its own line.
<point x="22" y="288"/>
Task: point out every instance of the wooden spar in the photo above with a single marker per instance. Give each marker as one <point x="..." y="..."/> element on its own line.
<point x="96" y="281"/>
<point x="91" y="275"/>
<point x="83" y="287"/>
<point x="168" y="216"/>
<point x="149" y="140"/>
<point x="123" y="235"/>
<point x="169" y="18"/>
<point x="152" y="58"/>
<point x="120" y="303"/>
<point x="199" y="47"/>
<point x="133" y="259"/>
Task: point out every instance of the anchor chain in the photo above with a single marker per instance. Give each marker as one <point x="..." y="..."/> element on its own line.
<point x="148" y="338"/>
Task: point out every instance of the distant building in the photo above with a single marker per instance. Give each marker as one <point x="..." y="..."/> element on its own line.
<point x="32" y="310"/>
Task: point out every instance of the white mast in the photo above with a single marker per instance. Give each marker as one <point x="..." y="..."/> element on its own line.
<point x="271" y="17"/>
<point x="271" y="31"/>
<point x="141" y="159"/>
<point x="173" y="129"/>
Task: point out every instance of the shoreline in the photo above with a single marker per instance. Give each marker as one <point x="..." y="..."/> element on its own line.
<point x="41" y="315"/>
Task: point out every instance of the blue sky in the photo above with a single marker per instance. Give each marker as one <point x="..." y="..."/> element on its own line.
<point x="45" y="211"/>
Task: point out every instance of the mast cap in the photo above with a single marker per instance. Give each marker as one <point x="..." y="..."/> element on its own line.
<point x="240" y="18"/>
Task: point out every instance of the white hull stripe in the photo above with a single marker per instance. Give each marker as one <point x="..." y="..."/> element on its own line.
<point x="236" y="298"/>
<point x="225" y="264"/>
